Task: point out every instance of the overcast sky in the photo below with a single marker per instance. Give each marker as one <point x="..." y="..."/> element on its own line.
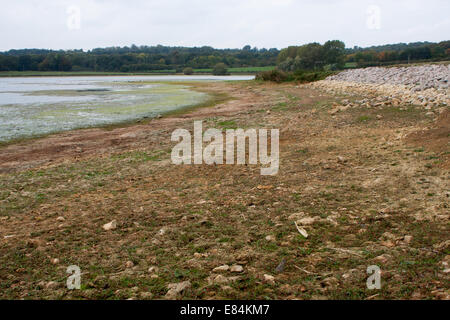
<point x="86" y="24"/>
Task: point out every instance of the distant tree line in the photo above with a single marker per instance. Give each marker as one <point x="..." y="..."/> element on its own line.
<point x="135" y="59"/>
<point x="312" y="56"/>
<point x="398" y="53"/>
<point x="314" y="61"/>
<point x="333" y="55"/>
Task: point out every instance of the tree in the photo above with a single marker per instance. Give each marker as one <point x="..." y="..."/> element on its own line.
<point x="220" y="69"/>
<point x="334" y="52"/>
<point x="188" y="71"/>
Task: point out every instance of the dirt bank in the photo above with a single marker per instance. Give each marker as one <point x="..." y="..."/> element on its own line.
<point x="360" y="181"/>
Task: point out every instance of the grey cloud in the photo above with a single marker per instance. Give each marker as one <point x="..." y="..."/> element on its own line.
<point x="231" y="23"/>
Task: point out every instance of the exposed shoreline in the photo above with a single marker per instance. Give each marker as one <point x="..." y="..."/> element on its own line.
<point x="212" y="99"/>
<point x="118" y="129"/>
<point x="369" y="184"/>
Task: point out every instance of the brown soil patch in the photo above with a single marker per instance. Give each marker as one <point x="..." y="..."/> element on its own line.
<point x="436" y="138"/>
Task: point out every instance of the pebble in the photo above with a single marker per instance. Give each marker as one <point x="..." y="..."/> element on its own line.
<point x="110" y="226"/>
<point x="221" y="279"/>
<point x="177" y="288"/>
<point x="52" y="285"/>
<point x="237" y="268"/>
<point x="407" y="239"/>
<point x="153" y="269"/>
<point x="382" y="259"/>
<point x="223" y="268"/>
<point x="280" y="267"/>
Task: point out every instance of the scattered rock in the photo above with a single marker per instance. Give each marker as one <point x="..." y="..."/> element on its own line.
<point x="341" y="159"/>
<point x="306" y="221"/>
<point x="177" y="288"/>
<point x="110" y="226"/>
<point x="156" y="242"/>
<point x="146" y="295"/>
<point x="270" y="238"/>
<point x="52" y="285"/>
<point x="296" y="216"/>
<point x="407" y="239"/>
<point x="280" y="267"/>
<point x="384" y="258"/>
<point x="261" y="187"/>
<point x="221" y="279"/>
<point x="223" y="268"/>
<point x="129" y="264"/>
<point x="153" y="269"/>
<point x="128" y="135"/>
<point x="269" y="278"/>
<point x="388" y="243"/>
<point x="301" y="230"/>
<point x="330" y="282"/>
<point x="236" y="268"/>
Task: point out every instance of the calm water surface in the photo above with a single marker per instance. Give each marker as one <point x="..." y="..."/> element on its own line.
<point x="41" y="105"/>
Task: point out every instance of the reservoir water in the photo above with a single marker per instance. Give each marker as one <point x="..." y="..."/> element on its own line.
<point x="41" y="105"/>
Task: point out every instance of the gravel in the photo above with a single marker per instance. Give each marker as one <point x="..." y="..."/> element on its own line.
<point x="416" y="78"/>
<point x="425" y="85"/>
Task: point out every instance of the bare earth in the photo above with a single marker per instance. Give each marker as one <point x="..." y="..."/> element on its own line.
<point x="370" y="185"/>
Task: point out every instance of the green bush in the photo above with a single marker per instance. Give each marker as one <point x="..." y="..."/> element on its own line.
<point x="188" y="71"/>
<point x="310" y="76"/>
<point x="220" y="69"/>
<point x="298" y="76"/>
<point x="272" y="75"/>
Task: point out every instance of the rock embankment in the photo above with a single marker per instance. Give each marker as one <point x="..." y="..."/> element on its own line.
<point x="416" y="78"/>
<point x="426" y="85"/>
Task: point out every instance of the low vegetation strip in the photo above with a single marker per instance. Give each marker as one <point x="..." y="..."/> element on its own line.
<point x="298" y="76"/>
